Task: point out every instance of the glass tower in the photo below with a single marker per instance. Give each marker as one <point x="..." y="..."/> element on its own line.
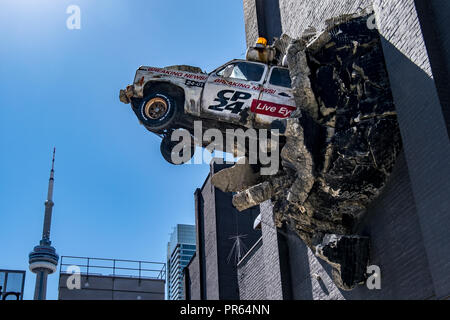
<point x="180" y="250"/>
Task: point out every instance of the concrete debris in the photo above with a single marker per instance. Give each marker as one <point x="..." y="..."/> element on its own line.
<point x="236" y="178"/>
<point x="340" y="146"/>
<point x="349" y="257"/>
<point x="259" y="193"/>
<point x="296" y="58"/>
<point x="253" y="196"/>
<point x="296" y="155"/>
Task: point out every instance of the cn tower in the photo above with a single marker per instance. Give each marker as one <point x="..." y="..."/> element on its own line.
<point x="43" y="259"/>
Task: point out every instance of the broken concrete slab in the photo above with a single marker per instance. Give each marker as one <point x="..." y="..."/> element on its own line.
<point x="261" y="192"/>
<point x="296" y="58"/>
<point x="236" y="178"/>
<point x="253" y="196"/>
<point x="349" y="257"/>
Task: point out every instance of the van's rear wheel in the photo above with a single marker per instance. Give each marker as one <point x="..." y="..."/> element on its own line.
<point x="176" y="156"/>
<point x="157" y="111"/>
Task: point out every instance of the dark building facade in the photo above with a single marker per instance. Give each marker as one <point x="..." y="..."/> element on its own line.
<point x="264" y="272"/>
<point x="408" y="224"/>
<point x="223" y="236"/>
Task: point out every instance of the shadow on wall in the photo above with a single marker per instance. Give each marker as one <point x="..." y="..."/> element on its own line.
<point x="392" y="221"/>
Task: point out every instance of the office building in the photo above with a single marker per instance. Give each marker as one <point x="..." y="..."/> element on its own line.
<point x="180" y="250"/>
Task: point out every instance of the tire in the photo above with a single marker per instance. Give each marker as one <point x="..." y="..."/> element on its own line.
<point x="167" y="147"/>
<point x="157" y="111"/>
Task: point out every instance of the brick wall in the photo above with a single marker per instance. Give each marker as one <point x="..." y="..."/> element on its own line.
<point x="409" y="222"/>
<point x="251" y="21"/>
<point x="259" y="272"/>
<point x="423" y="128"/>
<point x="274" y="290"/>
<point x="210" y="242"/>
<point x="399" y="24"/>
<point x="433" y="18"/>
<point x="194" y="279"/>
<point x="296" y="16"/>
<point x="252" y="274"/>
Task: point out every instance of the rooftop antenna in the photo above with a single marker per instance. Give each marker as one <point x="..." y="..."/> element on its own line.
<point x="239" y="249"/>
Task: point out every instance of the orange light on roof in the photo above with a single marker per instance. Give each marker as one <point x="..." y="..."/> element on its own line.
<point x="261" y="41"/>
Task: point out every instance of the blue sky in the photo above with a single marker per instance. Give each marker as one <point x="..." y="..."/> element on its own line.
<point x="115" y="196"/>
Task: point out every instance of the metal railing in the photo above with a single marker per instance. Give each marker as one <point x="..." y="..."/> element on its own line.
<point x="120" y="268"/>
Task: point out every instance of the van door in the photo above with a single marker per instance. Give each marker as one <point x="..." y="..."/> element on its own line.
<point x="230" y="90"/>
<point x="277" y="99"/>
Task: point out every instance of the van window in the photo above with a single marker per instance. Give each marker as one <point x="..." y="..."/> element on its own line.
<point x="280" y="77"/>
<point x="243" y="70"/>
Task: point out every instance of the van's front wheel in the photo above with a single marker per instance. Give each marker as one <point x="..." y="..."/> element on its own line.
<point x="157" y="111"/>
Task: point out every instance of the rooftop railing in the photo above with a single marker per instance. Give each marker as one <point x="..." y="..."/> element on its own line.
<point x="114" y="267"/>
